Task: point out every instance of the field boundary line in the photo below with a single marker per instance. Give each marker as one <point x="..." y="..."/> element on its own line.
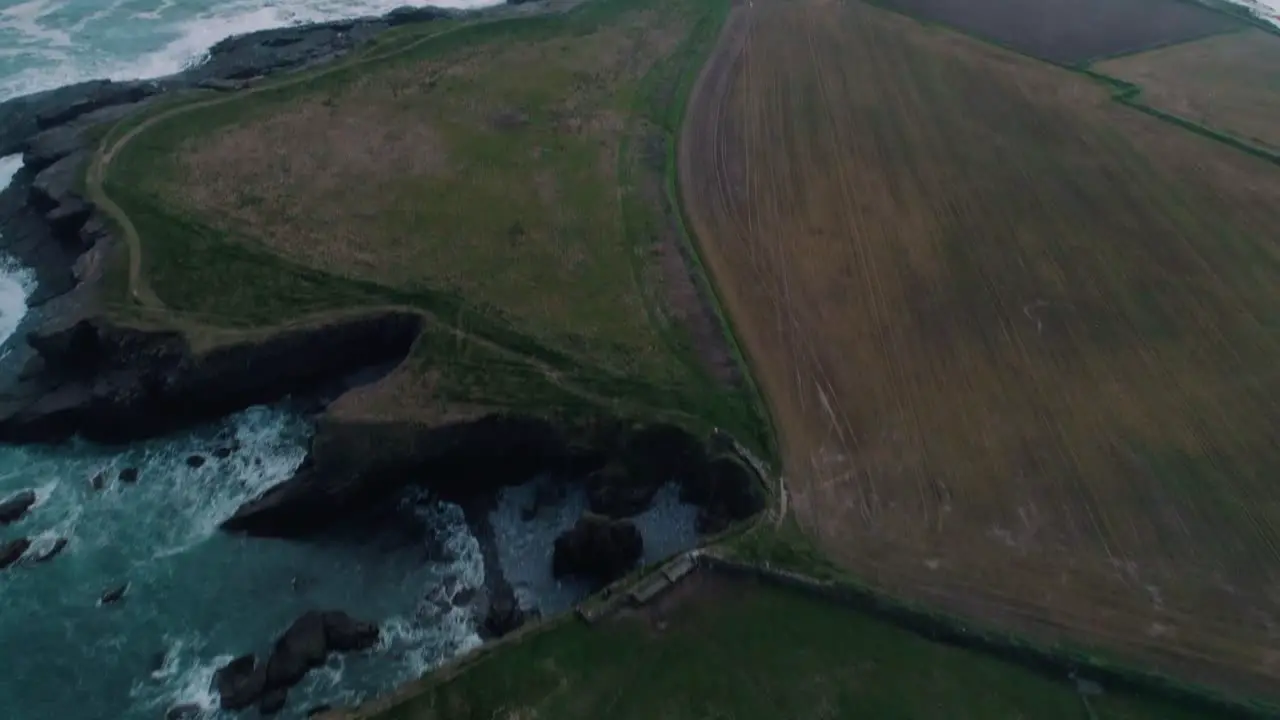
<point x="1058" y="662"/>
<point x="693" y="248"/>
<point x="1123" y="91"/>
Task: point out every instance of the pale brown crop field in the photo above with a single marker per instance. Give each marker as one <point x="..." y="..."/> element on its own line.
<point x="1019" y="340"/>
<point x="1229" y="83"/>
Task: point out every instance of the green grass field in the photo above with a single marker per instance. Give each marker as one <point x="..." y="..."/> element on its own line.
<point x="506" y="177"/>
<point x="717" y="648"/>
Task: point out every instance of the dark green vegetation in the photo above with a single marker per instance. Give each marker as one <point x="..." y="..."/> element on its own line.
<point x="1069" y="32"/>
<point x="507" y="178"/>
<point x="720" y="648"/>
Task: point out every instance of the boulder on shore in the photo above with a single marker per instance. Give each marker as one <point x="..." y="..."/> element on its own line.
<point x="13" y="508"/>
<point x="12" y="550"/>
<point x="597" y="548"/>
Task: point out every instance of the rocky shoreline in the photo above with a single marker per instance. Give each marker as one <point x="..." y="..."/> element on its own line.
<point x="85" y="375"/>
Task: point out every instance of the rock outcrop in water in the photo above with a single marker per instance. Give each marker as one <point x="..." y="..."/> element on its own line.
<point x="302" y="648"/>
<point x="598" y="549"/>
<point x="14" y="507"/>
<point x="12" y="550"/>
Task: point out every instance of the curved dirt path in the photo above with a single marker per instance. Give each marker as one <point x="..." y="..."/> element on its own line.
<point x="139" y="291"/>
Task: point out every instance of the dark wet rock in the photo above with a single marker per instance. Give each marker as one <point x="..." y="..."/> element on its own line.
<point x="189" y="711"/>
<point x="520" y="2"/>
<point x="317" y="710"/>
<point x="49" y="553"/>
<point x="195" y="461"/>
<point x="223" y="452"/>
<point x="222" y="85"/>
<point x="504" y="616"/>
<point x="344" y="633"/>
<point x="113" y="383"/>
<point x="597" y="548"/>
<point x="273" y="702"/>
<point x="406" y="14"/>
<point x="114" y="595"/>
<point x="12" y="550"/>
<point x="649" y="457"/>
<point x="98" y="481"/>
<point x="727" y="492"/>
<point x="353" y="465"/>
<point x="129" y="475"/>
<point x="51" y="145"/>
<point x="613" y="492"/>
<point x="302" y="647"/>
<point x="23" y="118"/>
<point x="240" y="683"/>
<point x="157" y="661"/>
<point x="14" y="507"/>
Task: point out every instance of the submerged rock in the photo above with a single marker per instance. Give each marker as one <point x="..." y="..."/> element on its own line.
<point x="223" y="452"/>
<point x="12" y="550"/>
<point x="113" y="595"/>
<point x="189" y="711"/>
<point x="13" y="508"/>
<point x="273" y="702"/>
<point x="195" y="461"/>
<point x="597" y="548"/>
<point x="98" y="481"/>
<point x="318" y="710"/>
<point x="240" y="683"/>
<point x="49" y="553"/>
<point x="129" y="475"/>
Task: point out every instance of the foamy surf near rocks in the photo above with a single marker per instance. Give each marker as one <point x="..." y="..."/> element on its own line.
<point x="300" y="649"/>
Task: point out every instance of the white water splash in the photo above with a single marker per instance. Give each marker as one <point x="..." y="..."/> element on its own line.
<point x="16" y="282"/>
<point x="163" y="40"/>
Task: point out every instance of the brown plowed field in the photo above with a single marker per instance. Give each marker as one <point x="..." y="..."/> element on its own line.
<point x="1074" y="31"/>
<point x="1020" y="341"/>
<point x="1229" y="83"/>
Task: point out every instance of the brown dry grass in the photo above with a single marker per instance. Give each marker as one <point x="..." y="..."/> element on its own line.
<point x="1018" y="339"/>
<point x="488" y="170"/>
<point x="1230" y="83"/>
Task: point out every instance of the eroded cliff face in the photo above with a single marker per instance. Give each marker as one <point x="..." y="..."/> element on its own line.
<point x="113" y="383"/>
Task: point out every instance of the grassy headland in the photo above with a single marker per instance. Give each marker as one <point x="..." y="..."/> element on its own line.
<point x="504" y="177"/>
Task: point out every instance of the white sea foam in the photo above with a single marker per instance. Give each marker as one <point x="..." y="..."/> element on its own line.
<point x="184" y="678"/>
<point x="165" y="43"/>
<point x="16" y="282"/>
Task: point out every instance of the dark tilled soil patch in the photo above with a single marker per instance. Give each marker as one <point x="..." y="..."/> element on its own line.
<point x="1072" y="31"/>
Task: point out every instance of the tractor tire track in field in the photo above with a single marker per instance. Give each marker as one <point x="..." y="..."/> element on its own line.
<point x="879" y="204"/>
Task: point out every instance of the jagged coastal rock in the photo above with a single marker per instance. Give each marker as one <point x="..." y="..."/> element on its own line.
<point x="302" y="648"/>
<point x="14" y="507"/>
<point x="12" y="550"/>
<point x="114" y="384"/>
<point x="597" y="548"/>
